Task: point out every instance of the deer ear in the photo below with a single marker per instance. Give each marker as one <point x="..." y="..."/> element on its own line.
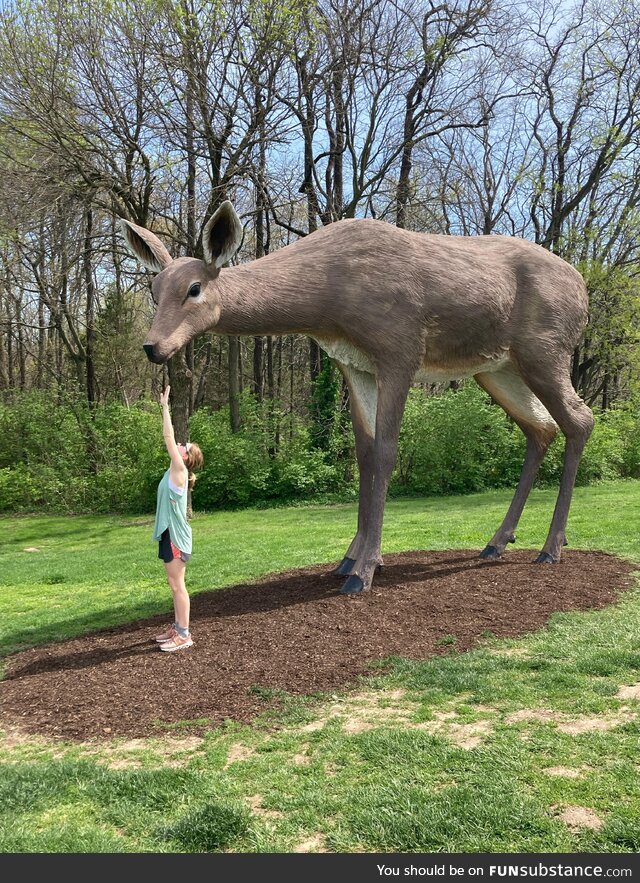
<point x="145" y="245"/>
<point x="222" y="235"/>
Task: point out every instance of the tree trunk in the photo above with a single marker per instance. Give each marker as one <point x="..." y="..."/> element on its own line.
<point x="315" y="360"/>
<point x="42" y="336"/>
<point x="22" y="364"/>
<point x="605" y="392"/>
<point x="234" y="383"/>
<point x="90" y="438"/>
<point x="276" y="431"/>
<point x="180" y="380"/>
<point x="257" y="368"/>
<point x="10" y="353"/>
<point x="204" y="374"/>
<point x="89" y="310"/>
<point x="4" y="380"/>
<point x="575" y="368"/>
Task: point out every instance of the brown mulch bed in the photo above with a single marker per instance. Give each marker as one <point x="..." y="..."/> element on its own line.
<point x="292" y="632"/>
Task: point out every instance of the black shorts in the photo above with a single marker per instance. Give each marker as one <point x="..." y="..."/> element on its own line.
<point x="167" y="551"/>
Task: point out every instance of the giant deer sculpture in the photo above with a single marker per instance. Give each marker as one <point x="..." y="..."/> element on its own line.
<point x="390" y="307"/>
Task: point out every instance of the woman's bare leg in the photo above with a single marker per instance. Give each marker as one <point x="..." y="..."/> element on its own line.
<point x="176" y="570"/>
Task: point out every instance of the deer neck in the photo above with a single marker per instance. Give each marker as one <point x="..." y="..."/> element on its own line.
<point x="257" y="300"/>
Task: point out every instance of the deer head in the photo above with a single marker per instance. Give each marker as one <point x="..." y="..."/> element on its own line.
<point x="185" y="290"/>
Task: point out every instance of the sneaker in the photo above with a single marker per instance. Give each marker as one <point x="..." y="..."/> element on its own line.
<point x="177" y="643"/>
<point x="166" y="635"/>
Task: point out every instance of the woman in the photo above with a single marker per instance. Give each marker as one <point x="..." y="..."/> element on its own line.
<point x="172" y="529"/>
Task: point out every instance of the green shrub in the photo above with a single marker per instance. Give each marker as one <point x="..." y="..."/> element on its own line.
<point x="59" y="457"/>
<point x="609" y="453"/>
<point x="455" y="443"/>
<point x="34" y="429"/>
<point x="131" y="457"/>
<point x="301" y="471"/>
<point x="239" y="468"/>
<point x="603" y="455"/>
<point x="46" y="451"/>
<point x="625" y="422"/>
<point x="31" y="488"/>
<point x="459" y="442"/>
<point x="16" y="488"/>
<point x="236" y="465"/>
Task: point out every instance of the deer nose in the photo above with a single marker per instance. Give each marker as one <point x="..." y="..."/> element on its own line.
<point x="148" y="348"/>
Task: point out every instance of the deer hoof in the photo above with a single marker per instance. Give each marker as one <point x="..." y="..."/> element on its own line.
<point x="344" y="568"/>
<point x="490" y="552"/>
<point x="353" y="585"/>
<point x="544" y="558"/>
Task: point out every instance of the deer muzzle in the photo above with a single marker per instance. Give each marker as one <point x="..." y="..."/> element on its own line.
<point x="149" y="349"/>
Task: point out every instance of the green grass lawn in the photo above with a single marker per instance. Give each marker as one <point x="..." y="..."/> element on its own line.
<point x="523" y="745"/>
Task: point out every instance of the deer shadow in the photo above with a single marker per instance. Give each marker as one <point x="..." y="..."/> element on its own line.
<point x="270" y="594"/>
<point x="301" y="587"/>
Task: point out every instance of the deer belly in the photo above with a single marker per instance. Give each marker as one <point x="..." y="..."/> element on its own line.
<point x="349" y="356"/>
<point x="360" y="372"/>
<point x="430" y="373"/>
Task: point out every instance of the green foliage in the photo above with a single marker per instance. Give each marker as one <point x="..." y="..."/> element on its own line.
<point x="623" y="422"/>
<point x="323" y="406"/>
<point x="35" y="429"/>
<point x="602" y="458"/>
<point x="301" y="472"/>
<point x="459" y="442"/>
<point x="62" y="458"/>
<point x="240" y="469"/>
<point x="131" y="458"/>
<point x="456" y="443"/>
<point x="236" y="465"/>
<point x="613" y="333"/>
<point x="41" y="446"/>
<point x="613" y="451"/>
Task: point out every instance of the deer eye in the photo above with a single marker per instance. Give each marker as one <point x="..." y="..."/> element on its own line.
<point x="194" y="290"/>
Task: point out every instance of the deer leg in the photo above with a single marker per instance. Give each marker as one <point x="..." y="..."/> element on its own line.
<point x="390" y="406"/>
<point x="362" y="404"/>
<point x="576" y="422"/>
<point x="507" y="389"/>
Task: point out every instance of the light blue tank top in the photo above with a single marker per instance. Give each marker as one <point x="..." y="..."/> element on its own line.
<point x="171" y="512"/>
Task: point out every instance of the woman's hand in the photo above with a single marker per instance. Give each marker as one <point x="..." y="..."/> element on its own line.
<point x="164" y="397"/>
